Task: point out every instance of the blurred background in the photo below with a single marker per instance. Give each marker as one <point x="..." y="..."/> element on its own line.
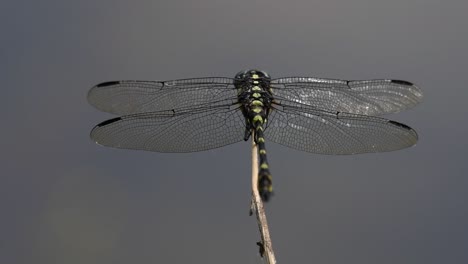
<point x="63" y="199"/>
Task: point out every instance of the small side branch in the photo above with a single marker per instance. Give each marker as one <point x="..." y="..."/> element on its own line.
<point x="266" y="249"/>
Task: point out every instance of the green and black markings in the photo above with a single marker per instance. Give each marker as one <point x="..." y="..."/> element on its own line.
<point x="255" y="97"/>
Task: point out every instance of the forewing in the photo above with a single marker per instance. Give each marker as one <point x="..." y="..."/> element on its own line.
<point x="372" y="97"/>
<point x="130" y="97"/>
<point x="324" y="132"/>
<point x="169" y="131"/>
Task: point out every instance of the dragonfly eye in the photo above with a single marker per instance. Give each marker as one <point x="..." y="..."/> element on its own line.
<point x="265" y="74"/>
<point x="241" y="75"/>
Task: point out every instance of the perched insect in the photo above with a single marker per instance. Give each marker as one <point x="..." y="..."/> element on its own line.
<point x="323" y="116"/>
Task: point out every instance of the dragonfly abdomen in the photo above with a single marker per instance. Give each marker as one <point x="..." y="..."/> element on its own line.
<point x="257" y="113"/>
<point x="265" y="184"/>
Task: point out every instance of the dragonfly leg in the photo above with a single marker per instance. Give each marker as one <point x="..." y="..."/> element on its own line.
<point x="247" y="134"/>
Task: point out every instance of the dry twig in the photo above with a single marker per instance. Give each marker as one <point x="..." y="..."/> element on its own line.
<point x="266" y="249"/>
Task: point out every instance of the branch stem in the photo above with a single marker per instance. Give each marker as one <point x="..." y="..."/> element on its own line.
<point x="266" y="248"/>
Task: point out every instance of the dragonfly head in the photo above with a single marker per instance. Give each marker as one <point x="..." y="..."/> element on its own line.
<point x="252" y="74"/>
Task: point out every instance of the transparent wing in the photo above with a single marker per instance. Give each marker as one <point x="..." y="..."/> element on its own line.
<point x="322" y="132"/>
<point x="372" y="97"/>
<point x="130" y="97"/>
<point x="169" y="131"/>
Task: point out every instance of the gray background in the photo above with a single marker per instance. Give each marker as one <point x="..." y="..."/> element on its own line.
<point x="64" y="199"/>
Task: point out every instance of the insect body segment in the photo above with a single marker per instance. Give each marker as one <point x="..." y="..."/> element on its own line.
<point x="265" y="186"/>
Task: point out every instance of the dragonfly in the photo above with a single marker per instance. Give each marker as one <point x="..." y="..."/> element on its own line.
<point x="317" y="115"/>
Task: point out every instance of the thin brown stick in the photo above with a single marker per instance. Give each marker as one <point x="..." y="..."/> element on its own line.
<point x="266" y="249"/>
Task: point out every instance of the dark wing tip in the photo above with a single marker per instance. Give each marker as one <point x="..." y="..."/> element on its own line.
<point x="104" y="84"/>
<point x="402" y="82"/>
<point x="400" y="125"/>
<point x="110" y="121"/>
<point x="407" y="128"/>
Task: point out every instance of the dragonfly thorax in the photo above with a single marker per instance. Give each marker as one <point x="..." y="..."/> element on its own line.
<point x="253" y="85"/>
